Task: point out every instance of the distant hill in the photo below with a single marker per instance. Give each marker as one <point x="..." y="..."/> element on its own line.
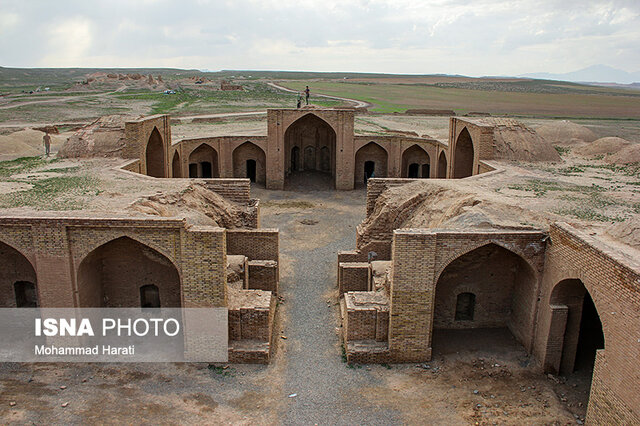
<point x="592" y="74"/>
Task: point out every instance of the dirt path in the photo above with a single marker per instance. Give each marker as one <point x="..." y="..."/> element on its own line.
<point x="356" y="103"/>
<point x="326" y="390"/>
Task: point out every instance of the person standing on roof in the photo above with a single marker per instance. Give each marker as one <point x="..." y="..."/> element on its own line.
<point x="299" y="100"/>
<point x="46" y="140"/>
<point x="306" y="93"/>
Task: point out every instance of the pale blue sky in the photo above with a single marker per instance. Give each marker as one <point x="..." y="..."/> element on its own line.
<point x="481" y="37"/>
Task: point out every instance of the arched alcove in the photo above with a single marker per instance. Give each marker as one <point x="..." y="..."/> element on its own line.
<point x="154" y="155"/>
<point x="371" y="161"/>
<point x="463" y="155"/>
<point x="249" y="161"/>
<point x="113" y="275"/>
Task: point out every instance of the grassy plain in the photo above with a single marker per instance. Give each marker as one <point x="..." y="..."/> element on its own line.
<point x="528" y="98"/>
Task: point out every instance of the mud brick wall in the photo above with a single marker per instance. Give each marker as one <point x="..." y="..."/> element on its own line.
<point x="354" y="277"/>
<point x="252" y="323"/>
<point x="57" y="247"/>
<point x="132" y="166"/>
<point x="263" y="275"/>
<point x="364" y="323"/>
<point x="137" y="134"/>
<point x="360" y="323"/>
<point x="204" y="270"/>
<point x="235" y="190"/>
<point x="382" y="250"/>
<point x="256" y="244"/>
<point x="613" y="282"/>
<point x="411" y="295"/>
<point x="376" y="186"/>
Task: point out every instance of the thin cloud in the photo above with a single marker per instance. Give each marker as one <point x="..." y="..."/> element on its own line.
<point x="480" y="37"/>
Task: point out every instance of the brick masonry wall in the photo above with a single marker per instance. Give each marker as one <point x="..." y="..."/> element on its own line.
<point x="57" y="247"/>
<point x="411" y="295"/>
<point x="353" y="277"/>
<point x="377" y="186"/>
<point x="481" y="137"/>
<point x="235" y="190"/>
<point x="613" y="282"/>
<point x="363" y="322"/>
<point x="258" y="244"/>
<point x="263" y="275"/>
<point x="253" y="322"/>
<point x="137" y="134"/>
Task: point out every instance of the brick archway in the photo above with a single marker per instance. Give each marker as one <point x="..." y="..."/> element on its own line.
<point x="504" y="288"/>
<point x="463" y="155"/>
<point x="176" y="166"/>
<point x="203" y="162"/>
<point x="154" y="155"/>
<point x="112" y="274"/>
<point x="249" y="161"/>
<point x="442" y="166"/>
<point x="310" y="145"/>
<point x="416" y="163"/>
<point x="18" y="280"/>
<point x="576" y="331"/>
<point x="370" y="161"/>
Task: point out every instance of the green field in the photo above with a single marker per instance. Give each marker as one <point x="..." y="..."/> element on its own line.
<point x="538" y="99"/>
<point x="68" y="99"/>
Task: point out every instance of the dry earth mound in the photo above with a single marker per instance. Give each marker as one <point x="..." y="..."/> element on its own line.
<point x="26" y="143"/>
<point x="196" y="203"/>
<point x="440" y="205"/>
<point x="516" y="142"/>
<point x="627" y="155"/>
<point x="608" y="145"/>
<point x="628" y="232"/>
<point x="102" y="138"/>
<point x="561" y="133"/>
<point x="135" y="80"/>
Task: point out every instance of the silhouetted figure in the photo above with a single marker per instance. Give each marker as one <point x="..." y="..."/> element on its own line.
<point x="299" y="100"/>
<point x="307" y="92"/>
<point x="46" y="139"/>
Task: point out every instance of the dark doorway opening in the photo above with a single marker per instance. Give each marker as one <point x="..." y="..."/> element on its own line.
<point x="193" y="170"/>
<point x="295" y="159"/>
<point x="442" y="166"/>
<point x="414" y="170"/>
<point x="426" y="171"/>
<point x="251" y="170"/>
<point x="206" y="169"/>
<point x="310" y="158"/>
<point x="149" y="296"/>
<point x="465" y="306"/>
<point x="369" y="169"/>
<point x="26" y="296"/>
<point x="590" y="338"/>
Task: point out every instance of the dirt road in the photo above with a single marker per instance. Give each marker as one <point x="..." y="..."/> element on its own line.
<point x="356" y="103"/>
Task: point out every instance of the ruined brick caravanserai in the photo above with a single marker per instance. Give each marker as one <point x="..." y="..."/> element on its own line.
<point x="543" y="285"/>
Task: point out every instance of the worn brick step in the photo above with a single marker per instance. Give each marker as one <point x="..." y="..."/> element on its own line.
<point x="249" y="351"/>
